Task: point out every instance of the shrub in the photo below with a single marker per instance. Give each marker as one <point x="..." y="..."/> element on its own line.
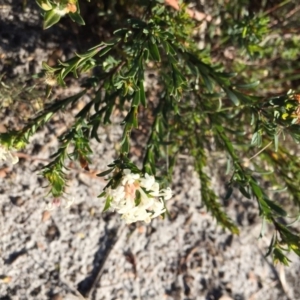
<point x="227" y="92"/>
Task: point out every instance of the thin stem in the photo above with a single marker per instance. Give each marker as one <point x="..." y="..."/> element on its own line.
<point x="264" y="148"/>
<point x="260" y="151"/>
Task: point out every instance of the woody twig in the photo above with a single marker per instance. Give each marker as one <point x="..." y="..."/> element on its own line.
<point x="195" y="14"/>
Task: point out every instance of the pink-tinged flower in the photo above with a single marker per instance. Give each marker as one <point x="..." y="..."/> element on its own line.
<point x="55" y="203"/>
<point x="130" y="190"/>
<point x="149" y="204"/>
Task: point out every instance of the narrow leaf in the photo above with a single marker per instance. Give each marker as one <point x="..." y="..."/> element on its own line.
<point x="232" y="96"/>
<point x="244" y="192"/>
<point x="250" y="85"/>
<point x="107" y="204"/>
<point x="105" y="50"/>
<point x="276" y="208"/>
<point x="104" y="173"/>
<point x="76" y="17"/>
<point x="154" y="51"/>
<point x="50" y="18"/>
<point x="102" y="194"/>
<point x="136" y="99"/>
<point x="142" y="94"/>
<point x="229" y="193"/>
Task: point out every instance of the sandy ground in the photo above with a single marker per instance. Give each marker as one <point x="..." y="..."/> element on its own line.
<point x="81" y="253"/>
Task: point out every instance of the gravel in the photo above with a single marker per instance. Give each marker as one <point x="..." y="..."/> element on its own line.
<point x="82" y="253"/>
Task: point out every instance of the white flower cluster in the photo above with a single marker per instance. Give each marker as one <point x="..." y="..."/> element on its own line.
<point x="138" y="198"/>
<point x="6" y="155"/>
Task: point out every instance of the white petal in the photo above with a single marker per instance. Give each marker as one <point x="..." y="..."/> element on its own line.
<point x="128" y="177"/>
<point x="158" y="208"/>
<point x="147" y="182"/>
<point x="127" y="207"/>
<point x="166" y="193"/>
<point x="137" y="214"/>
<point x="146" y="201"/>
<point x="155" y="190"/>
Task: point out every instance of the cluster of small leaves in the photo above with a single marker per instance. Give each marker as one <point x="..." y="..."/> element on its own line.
<point x="275" y="38"/>
<point x="55" y="9"/>
<point x="275" y="117"/>
<point x="199" y="106"/>
<point x="286" y="173"/>
<point x="76" y="136"/>
<point x="248" y="33"/>
<point x="21" y="138"/>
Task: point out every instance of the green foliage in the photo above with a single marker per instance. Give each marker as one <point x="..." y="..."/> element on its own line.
<point x="54" y="10"/>
<point x="199" y="106"/>
<point x="248" y="33"/>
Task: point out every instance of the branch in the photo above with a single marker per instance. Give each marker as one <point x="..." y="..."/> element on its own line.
<point x="194" y="14"/>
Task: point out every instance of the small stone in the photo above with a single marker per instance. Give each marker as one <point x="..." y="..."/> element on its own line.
<point x="224" y="297"/>
<point x="2" y="127"/>
<point x="81" y="235"/>
<point x="46" y="215"/>
<point x="57" y="297"/>
<point x="6" y="279"/>
<point x="18" y="201"/>
<point x="92" y="211"/>
<point x="40" y="245"/>
<point x="52" y="233"/>
<point x="3" y="172"/>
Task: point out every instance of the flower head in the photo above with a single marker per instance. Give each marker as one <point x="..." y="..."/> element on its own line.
<point x="55" y="203"/>
<point x="138" y="198"/>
